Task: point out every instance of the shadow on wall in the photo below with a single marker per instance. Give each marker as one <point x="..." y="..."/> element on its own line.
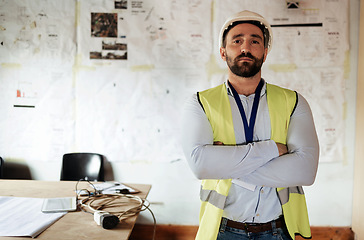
<point x="15" y="170"/>
<point x="109" y="172"/>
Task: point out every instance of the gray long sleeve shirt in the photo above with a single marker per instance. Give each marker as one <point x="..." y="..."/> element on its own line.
<point x="256" y="168"/>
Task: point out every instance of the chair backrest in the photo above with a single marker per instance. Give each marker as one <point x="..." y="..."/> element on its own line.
<point x="1" y="167"/>
<point x="76" y="166"/>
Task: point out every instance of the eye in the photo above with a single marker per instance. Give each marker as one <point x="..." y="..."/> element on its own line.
<point x="237" y="41"/>
<point x="256" y="42"/>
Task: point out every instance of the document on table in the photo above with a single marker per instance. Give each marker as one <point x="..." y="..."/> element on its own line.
<point x="20" y="216"/>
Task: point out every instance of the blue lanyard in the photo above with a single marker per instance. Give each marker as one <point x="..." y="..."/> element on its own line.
<point x="248" y="129"/>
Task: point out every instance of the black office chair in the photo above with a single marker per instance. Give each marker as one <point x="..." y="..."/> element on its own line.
<point x="1" y="167"/>
<point x="76" y="166"/>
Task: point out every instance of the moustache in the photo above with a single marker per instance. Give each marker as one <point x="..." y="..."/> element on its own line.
<point x="244" y="55"/>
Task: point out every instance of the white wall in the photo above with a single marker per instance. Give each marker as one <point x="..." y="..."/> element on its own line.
<point x="175" y="190"/>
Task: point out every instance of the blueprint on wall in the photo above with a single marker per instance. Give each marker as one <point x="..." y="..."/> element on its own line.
<point x="111" y="76"/>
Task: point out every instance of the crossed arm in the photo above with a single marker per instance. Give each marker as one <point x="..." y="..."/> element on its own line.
<point x="282" y="149"/>
<point x="261" y="163"/>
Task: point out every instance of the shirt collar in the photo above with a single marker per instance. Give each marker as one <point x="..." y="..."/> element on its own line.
<point x="262" y="92"/>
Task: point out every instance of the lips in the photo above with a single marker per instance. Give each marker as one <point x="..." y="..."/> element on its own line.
<point x="245" y="59"/>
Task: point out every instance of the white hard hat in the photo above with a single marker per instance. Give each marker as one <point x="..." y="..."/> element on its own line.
<point x="251" y="17"/>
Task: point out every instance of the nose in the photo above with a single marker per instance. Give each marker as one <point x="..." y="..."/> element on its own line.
<point x="245" y="47"/>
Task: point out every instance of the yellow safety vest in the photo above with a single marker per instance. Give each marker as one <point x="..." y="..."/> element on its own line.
<point x="216" y="104"/>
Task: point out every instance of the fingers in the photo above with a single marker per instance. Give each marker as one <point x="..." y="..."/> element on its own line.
<point x="282" y="149"/>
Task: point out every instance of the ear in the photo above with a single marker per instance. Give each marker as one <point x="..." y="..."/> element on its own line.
<point x="265" y="54"/>
<point x="223" y="53"/>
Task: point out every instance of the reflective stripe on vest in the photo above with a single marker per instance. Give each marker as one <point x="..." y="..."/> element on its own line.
<point x="213" y="197"/>
<point x="216" y="104"/>
<point x="284" y="193"/>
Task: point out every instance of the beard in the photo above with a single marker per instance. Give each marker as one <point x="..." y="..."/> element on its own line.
<point x="245" y="69"/>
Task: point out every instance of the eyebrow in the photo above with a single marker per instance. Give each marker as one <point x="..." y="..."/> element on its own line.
<point x="242" y="35"/>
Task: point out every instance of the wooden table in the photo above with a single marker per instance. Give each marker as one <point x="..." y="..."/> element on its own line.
<point x="74" y="225"/>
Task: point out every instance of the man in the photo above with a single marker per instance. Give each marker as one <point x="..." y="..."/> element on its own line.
<point x="252" y="143"/>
